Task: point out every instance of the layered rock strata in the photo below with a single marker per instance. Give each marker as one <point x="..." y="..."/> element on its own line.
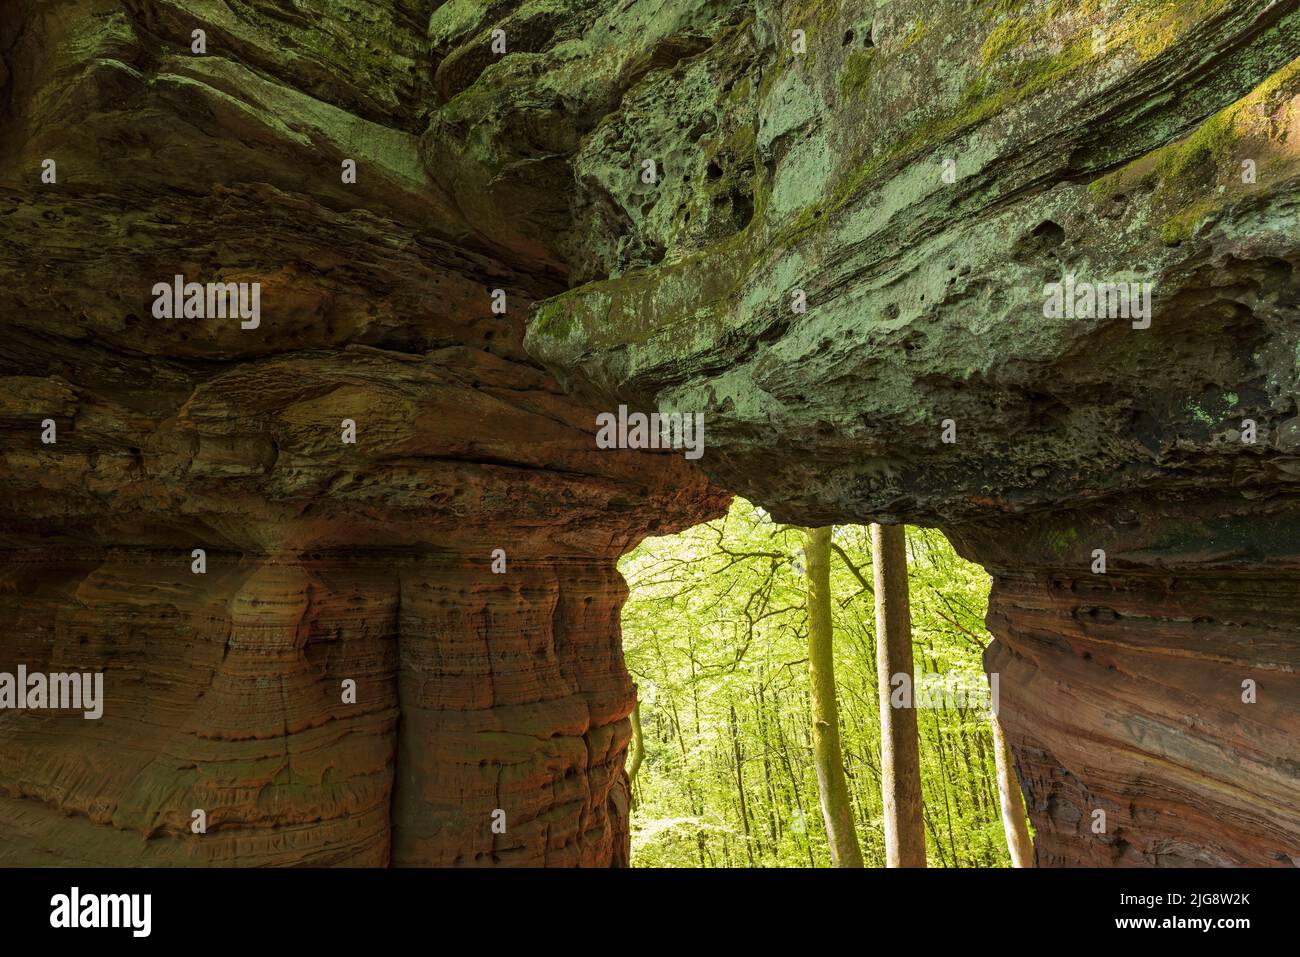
<point x="831" y="227"/>
<point x="400" y="644"/>
<point x="883" y="336"/>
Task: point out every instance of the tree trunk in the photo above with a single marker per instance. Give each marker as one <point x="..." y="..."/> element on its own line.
<point x="773" y="821"/>
<point x="900" y="757"/>
<point x="834" y="789"/>
<point x="1013" y="801"/>
<point x="739" y="757"/>
<point x="686" y="775"/>
<point x="638" y="751"/>
<point x="784" y="752"/>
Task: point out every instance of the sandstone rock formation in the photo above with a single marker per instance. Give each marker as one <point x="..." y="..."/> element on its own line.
<point x="918" y="176"/>
<point x="671" y="181"/>
<point x="325" y="561"/>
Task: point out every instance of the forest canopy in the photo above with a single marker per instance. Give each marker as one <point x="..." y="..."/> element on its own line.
<point x="715" y="633"/>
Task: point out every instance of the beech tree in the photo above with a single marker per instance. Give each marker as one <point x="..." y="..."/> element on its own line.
<point x="837" y="812"/>
<point x="717" y="621"/>
<point x="637" y="752"/>
<point x="899" y="751"/>
<point x="1012" y="800"/>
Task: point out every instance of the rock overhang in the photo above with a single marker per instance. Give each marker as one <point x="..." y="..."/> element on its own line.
<point x="922" y="288"/>
<point x="1112" y="158"/>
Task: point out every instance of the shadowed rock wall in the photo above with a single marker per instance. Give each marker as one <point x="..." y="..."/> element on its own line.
<point x="477" y="689"/>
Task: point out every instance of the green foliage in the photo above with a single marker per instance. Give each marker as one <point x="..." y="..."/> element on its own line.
<point x="715" y="637"/>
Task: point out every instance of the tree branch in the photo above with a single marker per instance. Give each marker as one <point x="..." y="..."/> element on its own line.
<point x="853" y="568"/>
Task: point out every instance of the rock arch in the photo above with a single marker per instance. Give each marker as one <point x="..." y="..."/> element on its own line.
<point x="921" y="187"/>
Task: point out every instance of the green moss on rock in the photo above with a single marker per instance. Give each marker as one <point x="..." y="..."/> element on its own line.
<point x="855" y="77"/>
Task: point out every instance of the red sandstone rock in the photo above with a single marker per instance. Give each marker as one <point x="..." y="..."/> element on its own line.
<point x="326" y="561"/>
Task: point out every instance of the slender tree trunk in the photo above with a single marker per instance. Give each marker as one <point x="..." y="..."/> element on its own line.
<point x="686" y="774"/>
<point x="944" y="776"/>
<point x="638" y="751"/>
<point x="739" y="757"/>
<point x="773" y="825"/>
<point x="942" y="752"/>
<point x="971" y="779"/>
<point x="900" y="757"/>
<point x="784" y="752"/>
<point x="983" y="755"/>
<point x="836" y="810"/>
<point x="1013" y="801"/>
<point x="934" y="834"/>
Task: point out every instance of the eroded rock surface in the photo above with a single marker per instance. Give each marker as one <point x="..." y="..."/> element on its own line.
<point x="912" y="172"/>
<point x="918" y="175"/>
<point x="326" y="561"/>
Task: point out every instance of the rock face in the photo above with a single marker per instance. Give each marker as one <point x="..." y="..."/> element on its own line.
<point x="870" y="330"/>
<point x="486" y="720"/>
<point x="830" y="227"/>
